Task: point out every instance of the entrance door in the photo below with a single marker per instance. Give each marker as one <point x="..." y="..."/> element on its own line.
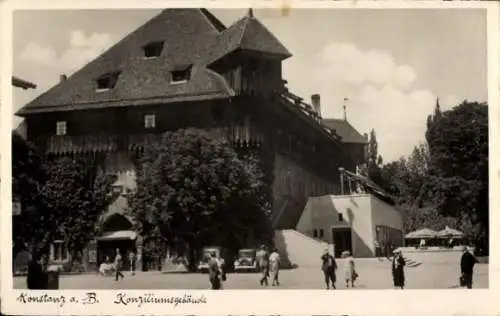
<point x="342" y="238"/>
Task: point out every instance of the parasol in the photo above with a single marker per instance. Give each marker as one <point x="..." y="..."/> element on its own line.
<point x="450" y="232"/>
<point x="421" y="233"/>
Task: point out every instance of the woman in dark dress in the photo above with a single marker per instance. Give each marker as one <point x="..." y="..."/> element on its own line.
<point x="398" y="273"/>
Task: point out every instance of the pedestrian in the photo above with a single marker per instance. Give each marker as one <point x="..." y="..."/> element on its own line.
<point x="398" y="274"/>
<point x="214" y="272"/>
<point x="222" y="268"/>
<point x="263" y="260"/>
<point x="274" y="267"/>
<point x="132" y="260"/>
<point x="329" y="266"/>
<point x="422" y="243"/>
<point x="118" y="265"/>
<point x="350" y="271"/>
<point x="37" y="278"/>
<point x="378" y="250"/>
<point x="467" y="263"/>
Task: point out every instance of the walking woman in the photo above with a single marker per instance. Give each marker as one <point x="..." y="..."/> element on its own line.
<point x="274" y="267"/>
<point x="398" y="273"/>
<point x="350" y="271"/>
<point x="329" y="266"/>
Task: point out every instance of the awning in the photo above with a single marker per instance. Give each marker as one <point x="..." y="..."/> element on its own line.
<point x="119" y="235"/>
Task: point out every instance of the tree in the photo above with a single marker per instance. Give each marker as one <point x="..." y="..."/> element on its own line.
<point x="74" y="197"/>
<point x="458" y="146"/>
<point x="428" y="217"/>
<point x="194" y="190"/>
<point x="374" y="161"/>
<point x="28" y="176"/>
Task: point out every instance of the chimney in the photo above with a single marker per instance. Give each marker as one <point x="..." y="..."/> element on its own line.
<point x="316" y="103"/>
<point x="62" y="78"/>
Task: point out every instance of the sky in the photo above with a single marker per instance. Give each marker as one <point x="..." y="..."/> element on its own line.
<point x="391" y="65"/>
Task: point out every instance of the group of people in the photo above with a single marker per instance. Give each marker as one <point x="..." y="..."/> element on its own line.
<point x="269" y="265"/>
<point x="116" y="266"/>
<point x="329" y="268"/>
<point x="216" y="271"/>
<point x="467" y="262"/>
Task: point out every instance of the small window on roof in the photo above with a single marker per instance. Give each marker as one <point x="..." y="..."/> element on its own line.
<point x="153" y="49"/>
<point x="61" y="128"/>
<point x="341" y="217"/>
<point x="107" y="81"/>
<point x="181" y="73"/>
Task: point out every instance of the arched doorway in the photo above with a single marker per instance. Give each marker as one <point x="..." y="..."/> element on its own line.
<point x="117" y="233"/>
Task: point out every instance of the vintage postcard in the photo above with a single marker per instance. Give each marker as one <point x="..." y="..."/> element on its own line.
<point x="249" y="158"/>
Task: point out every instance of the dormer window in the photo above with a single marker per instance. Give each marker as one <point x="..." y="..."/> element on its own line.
<point x="153" y="50"/>
<point x="107" y="81"/>
<point x="61" y="128"/>
<point x="181" y="73"/>
<point x="149" y="121"/>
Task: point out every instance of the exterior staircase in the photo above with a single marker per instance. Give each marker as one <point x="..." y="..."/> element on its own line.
<point x="410" y="263"/>
<point x="297" y="249"/>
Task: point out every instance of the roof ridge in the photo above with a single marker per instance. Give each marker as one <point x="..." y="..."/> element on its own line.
<point x="213" y="19"/>
<point x="245" y="19"/>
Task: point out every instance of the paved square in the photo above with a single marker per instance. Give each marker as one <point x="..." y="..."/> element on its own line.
<point x="373" y="275"/>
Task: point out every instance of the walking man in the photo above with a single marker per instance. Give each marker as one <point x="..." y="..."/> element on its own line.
<point x="467" y="266"/>
<point x="263" y="260"/>
<point x="214" y="272"/>
<point x="329" y="266"/>
<point x="378" y="250"/>
<point x="118" y="265"/>
<point x="274" y="266"/>
<point x="132" y="261"/>
<point x="398" y="272"/>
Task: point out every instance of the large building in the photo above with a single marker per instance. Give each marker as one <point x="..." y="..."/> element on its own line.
<point x="184" y="68"/>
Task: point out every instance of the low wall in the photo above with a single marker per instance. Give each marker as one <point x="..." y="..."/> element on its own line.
<point x="432" y="255"/>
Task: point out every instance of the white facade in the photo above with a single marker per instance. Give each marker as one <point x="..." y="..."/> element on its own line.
<point x="363" y="214"/>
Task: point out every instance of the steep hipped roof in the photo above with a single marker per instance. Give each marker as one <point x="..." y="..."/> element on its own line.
<point x="345" y="130"/>
<point x="250" y="35"/>
<point x="190" y="37"/>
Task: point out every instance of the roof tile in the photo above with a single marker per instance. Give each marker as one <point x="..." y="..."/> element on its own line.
<point x="190" y="36"/>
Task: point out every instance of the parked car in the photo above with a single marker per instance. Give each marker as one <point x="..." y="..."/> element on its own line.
<point x="217" y="252"/>
<point x="246" y="261"/>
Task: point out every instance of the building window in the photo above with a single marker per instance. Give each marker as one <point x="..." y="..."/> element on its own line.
<point x="59" y="252"/>
<point x="315" y="233"/>
<point x="149" y="121"/>
<point x="107" y="81"/>
<point x="61" y="128"/>
<point x="321" y="233"/>
<point x="181" y="73"/>
<point x="341" y="217"/>
<point x="153" y="50"/>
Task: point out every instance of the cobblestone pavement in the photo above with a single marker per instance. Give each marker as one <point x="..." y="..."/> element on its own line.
<point x="373" y="275"/>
